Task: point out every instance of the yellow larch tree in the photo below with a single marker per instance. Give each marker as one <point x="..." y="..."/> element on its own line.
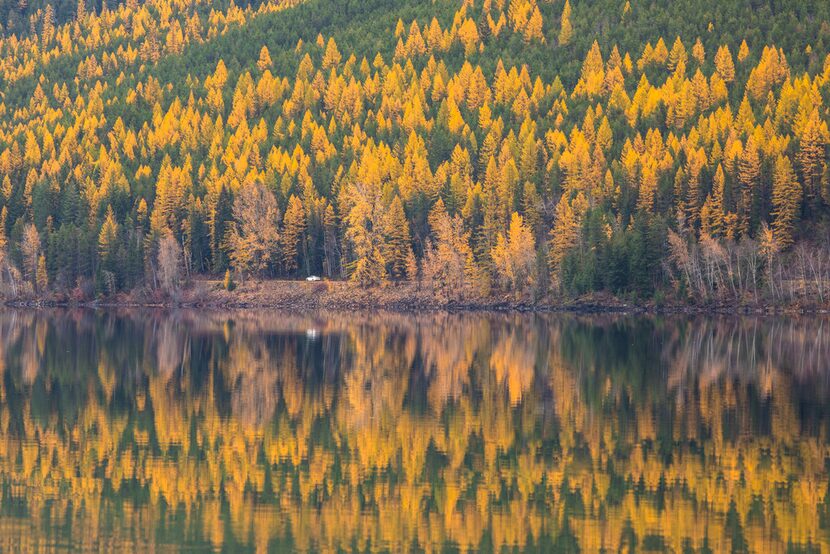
<point x="724" y="64"/>
<point x="648" y="187"/>
<point x="332" y="56"/>
<point x="811" y="157"/>
<point x="566" y="227"/>
<point x="677" y="56"/>
<point x="786" y="201"/>
<point x="566" y="29"/>
<point x="743" y="51"/>
<point x="711" y="214"/>
<point x="533" y="28"/>
<point x="293" y="234"/>
<point x="699" y="52"/>
<point x="514" y="255"/>
<point x="264" y="62"/>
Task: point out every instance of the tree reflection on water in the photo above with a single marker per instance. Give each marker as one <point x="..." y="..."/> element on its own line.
<point x="382" y="432"/>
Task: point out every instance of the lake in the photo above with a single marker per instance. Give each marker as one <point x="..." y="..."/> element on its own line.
<point x="265" y="431"/>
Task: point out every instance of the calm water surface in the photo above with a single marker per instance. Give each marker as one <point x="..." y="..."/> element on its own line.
<point x="136" y="431"/>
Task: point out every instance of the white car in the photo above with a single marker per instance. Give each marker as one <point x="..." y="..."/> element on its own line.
<point x="312" y="278"/>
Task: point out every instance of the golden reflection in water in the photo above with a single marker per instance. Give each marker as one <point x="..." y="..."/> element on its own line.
<point x="262" y="431"/>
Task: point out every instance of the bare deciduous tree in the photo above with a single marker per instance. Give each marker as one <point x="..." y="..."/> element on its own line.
<point x="254" y="237"/>
<point x="169" y="263"/>
<point x="30" y="248"/>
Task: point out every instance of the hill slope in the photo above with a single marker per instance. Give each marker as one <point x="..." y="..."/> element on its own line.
<point x="537" y="148"/>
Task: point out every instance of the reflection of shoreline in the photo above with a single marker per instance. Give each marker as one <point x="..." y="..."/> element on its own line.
<point x="393" y="430"/>
<point x="699" y="345"/>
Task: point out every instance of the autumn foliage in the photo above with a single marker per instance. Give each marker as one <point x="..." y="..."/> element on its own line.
<point x="482" y="147"/>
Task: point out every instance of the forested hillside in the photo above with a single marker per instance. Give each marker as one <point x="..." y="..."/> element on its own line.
<point x="537" y="148"/>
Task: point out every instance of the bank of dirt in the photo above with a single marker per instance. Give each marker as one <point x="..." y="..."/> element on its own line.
<point x="304" y="296"/>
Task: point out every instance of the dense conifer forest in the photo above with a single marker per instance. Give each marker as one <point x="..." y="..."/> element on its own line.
<point x="539" y="149"/>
